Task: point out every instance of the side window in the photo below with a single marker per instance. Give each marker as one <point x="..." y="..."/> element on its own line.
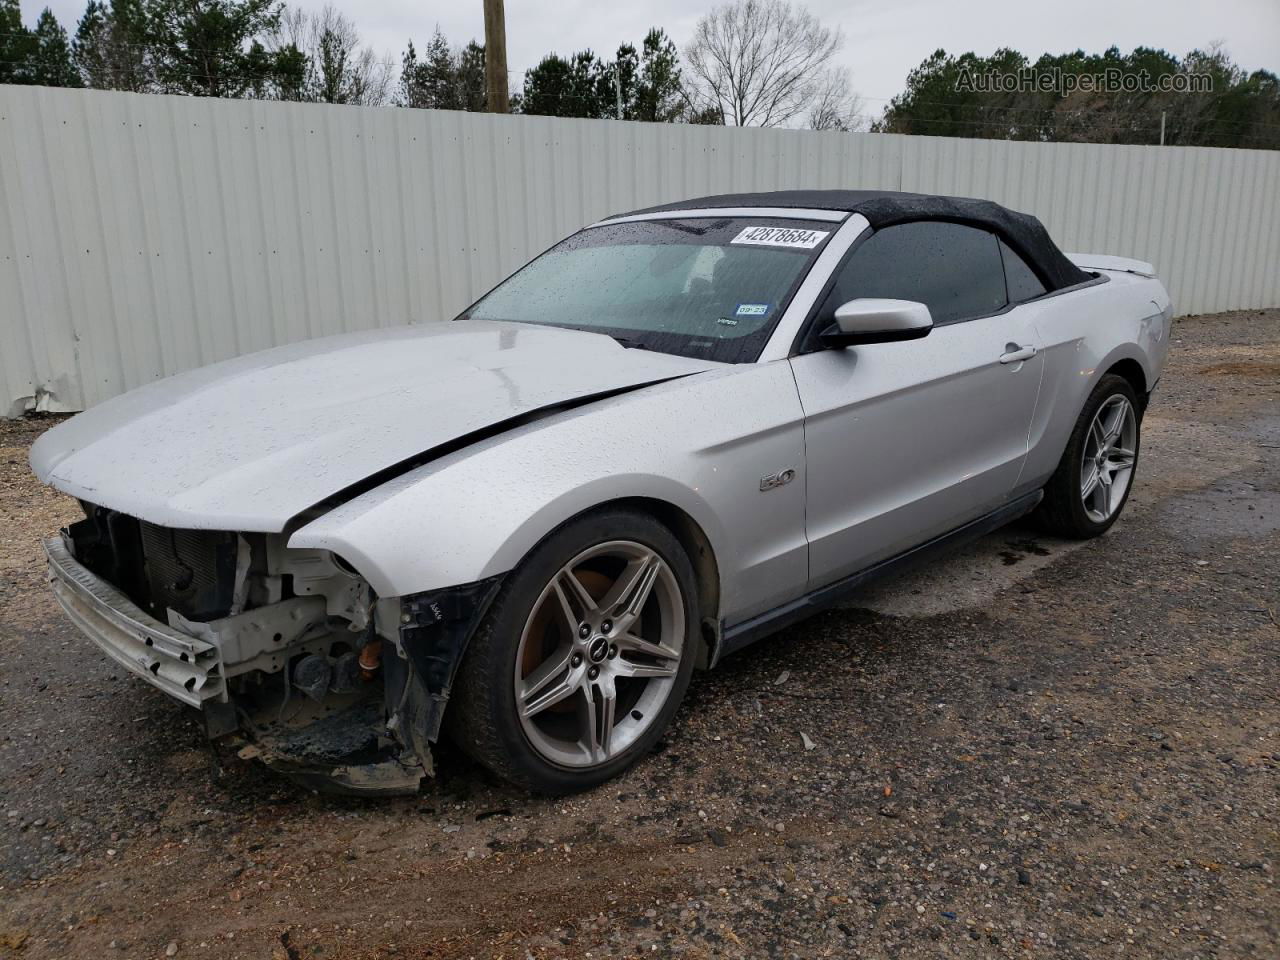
<point x="953" y="269"/>
<point x="1023" y="284"/>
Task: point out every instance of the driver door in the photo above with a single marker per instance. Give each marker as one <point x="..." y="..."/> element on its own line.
<point x="906" y="441"/>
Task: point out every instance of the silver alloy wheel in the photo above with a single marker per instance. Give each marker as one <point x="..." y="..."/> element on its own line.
<point x="1110" y="451"/>
<point x="599" y="654"/>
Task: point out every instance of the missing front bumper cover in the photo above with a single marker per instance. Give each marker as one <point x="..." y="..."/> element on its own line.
<point x="379" y="743"/>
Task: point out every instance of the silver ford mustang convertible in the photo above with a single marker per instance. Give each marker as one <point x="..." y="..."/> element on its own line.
<point x="670" y="435"/>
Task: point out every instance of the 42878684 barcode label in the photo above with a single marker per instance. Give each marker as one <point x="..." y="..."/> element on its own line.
<point x="781" y="237"/>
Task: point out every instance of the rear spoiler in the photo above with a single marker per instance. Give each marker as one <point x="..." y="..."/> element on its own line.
<point x="1100" y="261"/>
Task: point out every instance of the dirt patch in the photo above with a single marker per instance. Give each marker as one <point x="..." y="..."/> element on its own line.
<point x="28" y="510"/>
<point x="1242" y="368"/>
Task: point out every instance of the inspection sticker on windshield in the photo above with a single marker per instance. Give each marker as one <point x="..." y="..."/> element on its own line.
<point x="781" y="237"/>
<point x="751" y="310"/>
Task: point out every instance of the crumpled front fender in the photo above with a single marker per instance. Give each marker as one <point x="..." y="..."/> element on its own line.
<point x="431" y="632"/>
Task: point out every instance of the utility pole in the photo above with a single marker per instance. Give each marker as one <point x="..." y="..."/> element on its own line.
<point x="497" y="95"/>
<point x="617" y="84"/>
<point x="1162" y="128"/>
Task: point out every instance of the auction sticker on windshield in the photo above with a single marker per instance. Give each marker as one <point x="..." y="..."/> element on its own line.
<point x="781" y="237"/>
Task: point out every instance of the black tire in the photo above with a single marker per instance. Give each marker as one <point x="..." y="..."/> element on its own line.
<point x="1062" y="512"/>
<point x="482" y="717"/>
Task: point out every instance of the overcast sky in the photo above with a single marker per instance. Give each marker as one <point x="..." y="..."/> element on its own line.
<point x="884" y="39"/>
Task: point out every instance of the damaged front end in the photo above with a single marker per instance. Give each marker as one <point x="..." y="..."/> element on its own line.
<point x="332" y="685"/>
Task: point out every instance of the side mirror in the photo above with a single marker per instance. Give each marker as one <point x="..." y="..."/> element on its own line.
<point x="877" y="321"/>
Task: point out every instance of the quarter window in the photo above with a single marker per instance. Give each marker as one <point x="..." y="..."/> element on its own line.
<point x="954" y="270"/>
<point x="1023" y="284"/>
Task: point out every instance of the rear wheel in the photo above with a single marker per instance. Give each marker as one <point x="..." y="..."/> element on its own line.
<point x="584" y="657"/>
<point x="1086" y="493"/>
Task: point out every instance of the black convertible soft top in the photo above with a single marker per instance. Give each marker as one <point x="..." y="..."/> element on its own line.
<point x="884" y="208"/>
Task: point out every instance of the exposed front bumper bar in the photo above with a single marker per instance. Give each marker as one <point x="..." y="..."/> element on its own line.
<point x="184" y="667"/>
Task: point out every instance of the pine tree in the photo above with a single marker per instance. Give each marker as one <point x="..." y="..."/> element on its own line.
<point x="288" y="74"/>
<point x="17" y="44"/>
<point x="471" y="95"/>
<point x="91" y="49"/>
<point x="409" y="93"/>
<point x="130" y="37"/>
<point x="443" y="79"/>
<point x="585" y="86"/>
<point x="658" y="93"/>
<point x="440" y="81"/>
<point x="212" y="48"/>
<point x="577" y="86"/>
<point x="50" y="57"/>
<point x="111" y="47"/>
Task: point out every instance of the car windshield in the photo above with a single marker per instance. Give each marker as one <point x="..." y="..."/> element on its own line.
<point x="711" y="288"/>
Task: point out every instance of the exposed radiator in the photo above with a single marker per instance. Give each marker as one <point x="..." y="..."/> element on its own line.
<point x="192" y="571"/>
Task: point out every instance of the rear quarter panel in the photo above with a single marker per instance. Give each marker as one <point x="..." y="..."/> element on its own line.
<point x="1085" y="332"/>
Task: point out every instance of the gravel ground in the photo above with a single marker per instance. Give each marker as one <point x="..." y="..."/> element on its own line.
<point x="1030" y="749"/>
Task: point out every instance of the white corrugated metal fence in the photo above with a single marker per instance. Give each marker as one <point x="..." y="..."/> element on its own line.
<point x="143" y="235"/>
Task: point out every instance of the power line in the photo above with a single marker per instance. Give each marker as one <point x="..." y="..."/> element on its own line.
<point x="1053" y="112"/>
<point x="389" y="63"/>
<point x="1105" y="126"/>
<point x="110" y="42"/>
<point x="1048" y="112"/>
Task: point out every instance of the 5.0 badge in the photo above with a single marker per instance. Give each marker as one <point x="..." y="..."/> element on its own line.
<point x="779" y="479"/>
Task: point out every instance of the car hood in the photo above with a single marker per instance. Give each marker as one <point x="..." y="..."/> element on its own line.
<point x="250" y="443"/>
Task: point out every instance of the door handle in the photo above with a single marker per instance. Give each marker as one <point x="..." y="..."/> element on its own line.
<point x="1016" y="354"/>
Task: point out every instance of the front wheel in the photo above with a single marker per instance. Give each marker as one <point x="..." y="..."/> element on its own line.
<point x="1086" y="493"/>
<point x="584" y="656"/>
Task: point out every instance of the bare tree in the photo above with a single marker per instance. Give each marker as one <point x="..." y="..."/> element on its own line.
<point x="759" y="62"/>
<point x="835" y="106"/>
<point x="338" y="69"/>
